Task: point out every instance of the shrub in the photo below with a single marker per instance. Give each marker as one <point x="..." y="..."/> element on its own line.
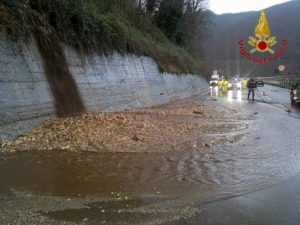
<point x="96" y="25"/>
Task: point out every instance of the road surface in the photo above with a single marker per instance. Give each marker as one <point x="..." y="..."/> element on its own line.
<point x="247" y="182"/>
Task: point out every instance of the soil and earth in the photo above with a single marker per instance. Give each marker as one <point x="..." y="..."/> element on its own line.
<point x="189" y="122"/>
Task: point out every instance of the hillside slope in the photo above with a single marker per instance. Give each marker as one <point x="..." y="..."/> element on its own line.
<point x="97" y="26"/>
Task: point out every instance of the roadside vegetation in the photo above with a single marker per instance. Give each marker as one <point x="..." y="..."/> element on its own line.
<point x="170" y="31"/>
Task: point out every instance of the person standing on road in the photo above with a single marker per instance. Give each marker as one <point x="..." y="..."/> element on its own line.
<point x="244" y="83"/>
<point x="220" y="84"/>
<point x="224" y="85"/>
<point x="251" y="85"/>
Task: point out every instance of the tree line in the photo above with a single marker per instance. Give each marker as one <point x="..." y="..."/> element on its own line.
<point x="169" y="31"/>
<point x="183" y="21"/>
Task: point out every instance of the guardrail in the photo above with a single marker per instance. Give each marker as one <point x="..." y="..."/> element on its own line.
<point x="281" y="81"/>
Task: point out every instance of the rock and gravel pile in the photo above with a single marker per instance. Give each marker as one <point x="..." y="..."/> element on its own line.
<point x="161" y="128"/>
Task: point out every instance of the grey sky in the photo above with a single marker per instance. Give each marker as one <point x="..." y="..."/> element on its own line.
<point x="233" y="6"/>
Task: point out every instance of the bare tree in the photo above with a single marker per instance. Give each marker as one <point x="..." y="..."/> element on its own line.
<point x="195" y="4"/>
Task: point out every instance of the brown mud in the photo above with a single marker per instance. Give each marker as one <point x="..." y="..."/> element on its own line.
<point x="66" y="95"/>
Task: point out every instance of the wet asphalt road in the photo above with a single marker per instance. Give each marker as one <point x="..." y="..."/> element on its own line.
<point x="278" y="205"/>
<point x="244" y="183"/>
<point x="275" y="205"/>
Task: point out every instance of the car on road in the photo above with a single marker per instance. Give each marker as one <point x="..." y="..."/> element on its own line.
<point x="259" y="83"/>
<point x="295" y="93"/>
<point x="234" y="83"/>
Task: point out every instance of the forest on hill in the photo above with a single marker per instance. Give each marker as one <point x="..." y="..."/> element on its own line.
<point x="169" y="31"/>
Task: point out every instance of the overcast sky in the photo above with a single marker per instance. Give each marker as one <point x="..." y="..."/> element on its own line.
<point x="233" y="6"/>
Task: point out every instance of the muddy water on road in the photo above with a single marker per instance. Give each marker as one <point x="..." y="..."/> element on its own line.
<point x="206" y="173"/>
<point x="267" y="154"/>
<point x="100" y="174"/>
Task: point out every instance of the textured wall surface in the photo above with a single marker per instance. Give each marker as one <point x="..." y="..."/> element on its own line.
<point x="105" y="83"/>
<point x="124" y="82"/>
<point x="25" y="97"/>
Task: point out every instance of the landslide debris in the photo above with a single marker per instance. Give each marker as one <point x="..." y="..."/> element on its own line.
<point x="155" y="129"/>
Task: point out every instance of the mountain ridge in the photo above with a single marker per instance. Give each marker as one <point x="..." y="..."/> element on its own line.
<point x="222" y="49"/>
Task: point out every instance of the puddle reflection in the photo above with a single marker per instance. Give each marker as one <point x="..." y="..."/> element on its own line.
<point x="214" y="91"/>
<point x="234" y="95"/>
<point x="230" y="95"/>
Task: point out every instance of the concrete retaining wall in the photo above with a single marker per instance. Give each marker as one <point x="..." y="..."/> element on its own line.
<point x="106" y="83"/>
